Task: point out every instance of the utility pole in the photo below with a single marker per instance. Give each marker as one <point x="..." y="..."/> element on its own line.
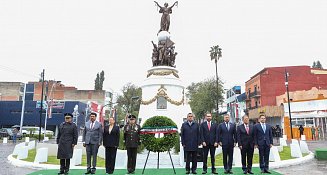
<point x="47" y="108"/>
<point x="288" y="101"/>
<point x="42" y="76"/>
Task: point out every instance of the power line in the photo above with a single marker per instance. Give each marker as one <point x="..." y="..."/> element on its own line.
<point x="5" y="68"/>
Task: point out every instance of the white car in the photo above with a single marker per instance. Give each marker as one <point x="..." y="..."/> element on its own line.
<point x="26" y="130"/>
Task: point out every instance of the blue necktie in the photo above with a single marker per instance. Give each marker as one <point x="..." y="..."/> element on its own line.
<point x="264" y="128"/>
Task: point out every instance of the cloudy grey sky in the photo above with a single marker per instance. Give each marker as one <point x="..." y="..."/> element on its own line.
<point x="75" y="39"/>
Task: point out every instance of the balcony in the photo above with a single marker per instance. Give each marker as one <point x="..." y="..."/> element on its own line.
<point x="247" y="98"/>
<point x="255" y="94"/>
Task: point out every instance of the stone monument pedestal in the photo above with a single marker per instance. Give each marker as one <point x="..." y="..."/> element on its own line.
<point x="163" y="95"/>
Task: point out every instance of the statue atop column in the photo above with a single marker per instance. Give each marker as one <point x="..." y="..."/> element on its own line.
<point x="165" y="18"/>
<point x="163" y="53"/>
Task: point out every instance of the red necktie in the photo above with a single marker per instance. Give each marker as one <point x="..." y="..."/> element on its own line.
<point x="247" y="129"/>
<point x="209" y="126"/>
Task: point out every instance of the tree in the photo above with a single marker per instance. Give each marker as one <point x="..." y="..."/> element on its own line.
<point x="204" y="95"/>
<point x="101" y="80"/>
<point x="98" y="83"/>
<point x="128" y="101"/>
<point x="215" y="53"/>
<point x="314" y="65"/>
<point x="317" y="65"/>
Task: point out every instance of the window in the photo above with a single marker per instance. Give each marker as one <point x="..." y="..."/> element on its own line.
<point x="161" y="103"/>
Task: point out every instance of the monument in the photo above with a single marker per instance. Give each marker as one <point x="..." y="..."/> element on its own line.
<point x="163" y="92"/>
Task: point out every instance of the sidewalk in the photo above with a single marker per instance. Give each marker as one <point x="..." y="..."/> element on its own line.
<point x="313" y="167"/>
<point x="6" y="167"/>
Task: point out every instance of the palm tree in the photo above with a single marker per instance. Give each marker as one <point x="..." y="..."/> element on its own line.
<point x="215" y="54"/>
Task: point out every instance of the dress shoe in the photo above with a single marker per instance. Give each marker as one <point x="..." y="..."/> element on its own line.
<point x="250" y="172"/>
<point x="226" y="172"/>
<point x="262" y="172"/>
<point x="194" y="172"/>
<point x="88" y="171"/>
<point x="245" y="172"/>
<point x="61" y="172"/>
<point x="187" y="172"/>
<point x="214" y="172"/>
<point x="268" y="172"/>
<point x="230" y="172"/>
<point x="204" y="172"/>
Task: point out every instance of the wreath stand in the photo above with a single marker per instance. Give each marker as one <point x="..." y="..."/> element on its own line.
<point x="147" y="157"/>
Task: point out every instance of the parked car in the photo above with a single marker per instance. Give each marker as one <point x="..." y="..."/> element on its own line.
<point x="35" y="130"/>
<point x="7" y="132"/>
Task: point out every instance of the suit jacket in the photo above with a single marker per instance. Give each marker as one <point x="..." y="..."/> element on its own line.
<point x="190" y="136"/>
<point x="209" y="137"/>
<point x="243" y="138"/>
<point x="227" y="137"/>
<point x="111" y="139"/>
<point x="94" y="135"/>
<point x="263" y="138"/>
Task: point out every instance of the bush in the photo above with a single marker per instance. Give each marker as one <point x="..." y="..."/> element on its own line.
<point x="121" y="140"/>
<point x="177" y="145"/>
<point x="36" y="137"/>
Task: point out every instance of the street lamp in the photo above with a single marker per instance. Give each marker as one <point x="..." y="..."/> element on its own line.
<point x="215" y="54"/>
<point x="288" y="101"/>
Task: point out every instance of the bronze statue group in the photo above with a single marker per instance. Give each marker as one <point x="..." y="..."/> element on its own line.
<point x="227" y="135"/>
<point x="208" y="134"/>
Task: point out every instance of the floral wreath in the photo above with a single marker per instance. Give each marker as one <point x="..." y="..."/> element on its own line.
<point x="159" y="125"/>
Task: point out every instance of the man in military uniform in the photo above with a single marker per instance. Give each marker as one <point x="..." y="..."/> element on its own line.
<point x="132" y="141"/>
<point x="66" y="140"/>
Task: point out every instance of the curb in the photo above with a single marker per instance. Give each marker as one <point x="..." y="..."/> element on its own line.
<point x="272" y="165"/>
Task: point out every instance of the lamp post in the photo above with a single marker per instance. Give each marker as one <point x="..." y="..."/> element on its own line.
<point x="288" y="101"/>
<point x="215" y="54"/>
<point x="41" y="110"/>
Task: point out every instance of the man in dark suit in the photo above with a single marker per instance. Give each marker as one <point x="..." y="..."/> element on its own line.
<point x="245" y="142"/>
<point x="92" y="139"/>
<point x="263" y="139"/>
<point x="209" y="140"/>
<point x="227" y="139"/>
<point x="190" y="137"/>
<point x="111" y="142"/>
<point x="132" y="141"/>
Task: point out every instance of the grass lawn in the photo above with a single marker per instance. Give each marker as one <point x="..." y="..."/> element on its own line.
<point x="53" y="159"/>
<point x="284" y="155"/>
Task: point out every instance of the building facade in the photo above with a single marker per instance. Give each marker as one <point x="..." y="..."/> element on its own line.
<point x="264" y="89"/>
<point x="11" y="91"/>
